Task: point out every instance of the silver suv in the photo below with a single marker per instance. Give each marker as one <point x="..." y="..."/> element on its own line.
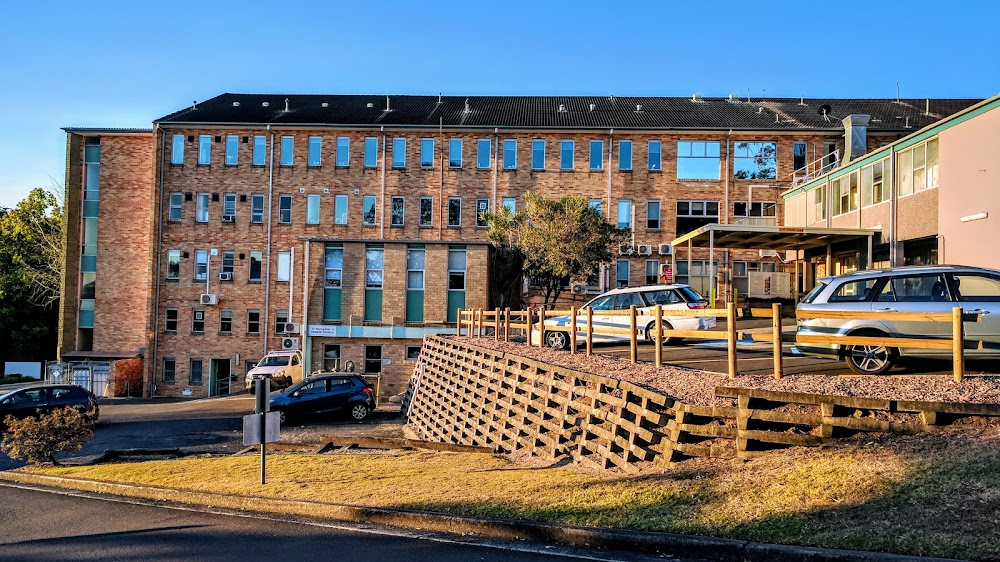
<point x="904" y="289"/>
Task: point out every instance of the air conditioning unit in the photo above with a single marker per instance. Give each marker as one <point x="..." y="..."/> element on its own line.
<point x="666" y="250"/>
<point x="226" y="276"/>
<point x="228" y="218"/>
<point x="625" y="250"/>
<point x="291" y="328"/>
<point x="579" y="288"/>
<point x="644" y="250"/>
<point x="289" y="344"/>
<point x="209" y="298"/>
<point x="768" y="253"/>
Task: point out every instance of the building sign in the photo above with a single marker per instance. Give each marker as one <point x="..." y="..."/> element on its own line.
<point x="324" y="330"/>
<point x="666" y="273"/>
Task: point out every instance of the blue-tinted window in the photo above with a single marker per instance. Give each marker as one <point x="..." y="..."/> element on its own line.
<point x="755" y="161"/>
<point x="697" y="160"/>
<point x="371" y="152"/>
<point x="426" y="153"/>
<point x="509" y="154"/>
<point x="368" y="210"/>
<point x="259" y="149"/>
<point x="455" y="153"/>
<point x="287" y="151"/>
<point x="596" y="155"/>
<point x="655" y="155"/>
<point x="625" y="155"/>
<point x="232" y="150"/>
<point x="624" y="213"/>
<point x="399" y="153"/>
<point x="652" y="215"/>
<point x="315" y="151"/>
<point x="483" y="153"/>
<point x="204" y="150"/>
<point x="177" y="150"/>
<point x="596" y="205"/>
<point x="510" y="203"/>
<point x="538" y="154"/>
<point x="566" y="150"/>
<point x="340" y="209"/>
<point x="343" y="151"/>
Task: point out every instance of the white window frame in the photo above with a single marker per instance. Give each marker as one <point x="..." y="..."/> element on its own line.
<point x="177" y="205"/>
<point x="314" y="155"/>
<point x="459" y="224"/>
<point x="204" y="150"/>
<point x="259" y="258"/>
<point x="173" y="255"/>
<point x="201" y="207"/>
<point x="535" y="144"/>
<point x="177" y="150"/>
<point x="256" y="210"/>
<point x="312" y="209"/>
<point x="451" y="153"/>
<point x="282" y="199"/>
<point x="342" y="159"/>
<point x="338" y="216"/>
<point x="371" y="142"/>
<point x="284" y="269"/>
<point x="513" y="164"/>
<point x="229" y="204"/>
<point x="232" y="150"/>
<point x="659" y="156"/>
<point x="289" y="158"/>
<point x="630" y="155"/>
<point x="399" y="150"/>
<point x="479" y="153"/>
<point x="562" y="155"/>
<point x="259" y="150"/>
<point x="429" y="163"/>
<point x="364" y="203"/>
<point x="420" y="212"/>
<point x="600" y="159"/>
<point x="200" y="265"/>
<point x="392" y="211"/>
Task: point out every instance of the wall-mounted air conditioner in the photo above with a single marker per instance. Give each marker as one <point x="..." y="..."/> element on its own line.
<point x="625" y="250"/>
<point x="289" y="344"/>
<point x="644" y="249"/>
<point x="291" y="328"/>
<point x="666" y="250"/>
<point x="228" y="218"/>
<point x="209" y="299"/>
<point x="226" y="276"/>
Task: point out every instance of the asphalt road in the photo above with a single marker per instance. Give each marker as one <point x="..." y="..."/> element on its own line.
<point x="40" y="526"/>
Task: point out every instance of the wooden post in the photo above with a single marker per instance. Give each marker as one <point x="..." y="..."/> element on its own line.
<point x="496" y="324"/>
<point x="527" y="314"/>
<point x="506" y="324"/>
<point x="958" y="343"/>
<point x="731" y="337"/>
<point x="590" y="331"/>
<point x="572" y="329"/>
<point x="659" y="335"/>
<point x="541" y="326"/>
<point x="776" y="327"/>
<point x="458" y="325"/>
<point x="633" y="340"/>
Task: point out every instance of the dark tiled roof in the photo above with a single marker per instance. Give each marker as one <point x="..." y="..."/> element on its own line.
<point x="533" y="112"/>
<point x="107" y="131"/>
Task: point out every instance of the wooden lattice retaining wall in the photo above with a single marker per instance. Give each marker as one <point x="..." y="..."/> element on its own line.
<point x="472" y="395"/>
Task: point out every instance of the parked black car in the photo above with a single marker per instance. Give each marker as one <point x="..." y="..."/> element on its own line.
<point x="37" y="399"/>
<point x="321" y="394"/>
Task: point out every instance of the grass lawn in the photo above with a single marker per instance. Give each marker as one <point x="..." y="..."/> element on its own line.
<point x="934" y="494"/>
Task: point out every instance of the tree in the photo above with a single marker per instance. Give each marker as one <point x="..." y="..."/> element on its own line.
<point x="39" y="439"/>
<point x="559" y="240"/>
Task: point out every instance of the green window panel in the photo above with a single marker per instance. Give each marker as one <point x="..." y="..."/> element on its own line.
<point x="331" y="304"/>
<point x="414" y="306"/>
<point x="90" y="209"/>
<point x="373" y="305"/>
<point x="88" y="264"/>
<point x="456" y="300"/>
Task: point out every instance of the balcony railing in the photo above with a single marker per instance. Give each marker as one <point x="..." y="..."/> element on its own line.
<point x="756" y="221"/>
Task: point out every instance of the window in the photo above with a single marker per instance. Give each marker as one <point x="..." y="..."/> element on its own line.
<point x="652" y="215"/>
<point x="200" y="265"/>
<point x="228" y="262"/>
<point x="249" y="364"/>
<point x="204" y="150"/>
<point x="312" y="209"/>
<point x="624" y="213"/>
<point x="426" y="153"/>
<point x="398" y="153"/>
<point x="344" y="151"/>
<point x="284" y="266"/>
<point x="253" y="321"/>
<point x="331" y="356"/>
<point x="195" y="375"/>
<point x="509" y="154"/>
<point x="625" y="156"/>
<point x="368" y="210"/>
<point x="229" y="206"/>
<point x="333" y="265"/>
<point x="597" y="205"/>
<point x="874" y="188"/>
<point x="426" y="211"/>
<point x="853" y="291"/>
<point x="697" y="160"/>
<point x="799" y="159"/>
<point x="973" y="287"/>
<point x="538" y="154"/>
<point x="567" y="149"/>
<point x="510" y="203"/>
<point x="413" y="352"/>
<point x="396" y="211"/>
<point x="232" y="150"/>
<point x="755" y="161"/>
<point x="256" y="266"/>
<point x="173" y="264"/>
<point x="622" y="274"/>
<point x="415" y="284"/>
<point x="201" y="208"/>
<point x="225" y="321"/>
<point x="257" y="208"/>
<point x="176" y="199"/>
<point x="817" y="204"/>
<point x="340" y="209"/>
<point x="198" y="321"/>
<point x="287" y="151"/>
<point x="373" y="359"/>
<point x="455" y="211"/>
<point x="177" y="150"/>
<point x="692" y="215"/>
<point x="169" y="369"/>
<point x="482" y="207"/>
<point x="596" y="155"/>
<point x="755" y="213"/>
<point x="845" y="193"/>
<point x="285" y="209"/>
<point x="374" y="276"/>
<point x="655" y="155"/>
<point x="915" y="288"/>
<point x="259" y="150"/>
<point x="483" y="156"/>
<point x="171" y="320"/>
<point x="315" y="157"/>
<point x="455" y="153"/>
<point x="456" y="281"/>
<point x="831" y="158"/>
<point x="371" y="152"/>
<point x="917" y="168"/>
<point x="652" y="272"/>
<point x="280" y="319"/>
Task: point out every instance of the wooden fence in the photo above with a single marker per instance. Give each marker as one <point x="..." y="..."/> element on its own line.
<point x="528" y="323"/>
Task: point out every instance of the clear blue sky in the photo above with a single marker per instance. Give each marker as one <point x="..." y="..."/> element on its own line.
<point x="123" y="64"/>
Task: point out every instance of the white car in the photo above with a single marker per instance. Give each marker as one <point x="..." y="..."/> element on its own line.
<point x="285" y="368"/>
<point x="645" y="299"/>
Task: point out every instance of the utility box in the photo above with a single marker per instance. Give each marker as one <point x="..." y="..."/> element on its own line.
<point x="769" y="285"/>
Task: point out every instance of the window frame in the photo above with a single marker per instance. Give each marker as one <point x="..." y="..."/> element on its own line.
<point x="430" y="212"/>
<point x="167" y="320"/>
<point x="251" y="322"/>
<point x="229" y="204"/>
<point x="371" y="143"/>
<point x="512" y="165"/>
<point x="481" y="211"/>
<point x="286" y="158"/>
<point x="367" y="200"/>
<point x="177" y="205"/>
<point x="256" y="208"/>
<point x="392" y="211"/>
<point x="458" y="223"/>
<point x="314" y="152"/>
<point x="600" y="157"/>
<point x="659" y="213"/>
<point x="313" y="209"/>
<point x="563" y="144"/>
<point x="427" y="153"/>
<point x="341" y="212"/>
<point x="198" y="326"/>
<point x="225" y="317"/>
<point x="204" y="150"/>
<point x="283" y="271"/>
<point x="200" y="269"/>
<point x="537" y="154"/>
<point x="201" y="202"/>
<point x="257" y="256"/>
<point x="171" y="255"/>
<point x="399" y="150"/>
<point x="177" y="150"/>
<point x="201" y="371"/>
<point x="342" y="156"/>
<point x="691" y="146"/>
<point x="169" y="373"/>
<point x="621" y="151"/>
<point x="259" y="157"/>
<point x="451" y="153"/>
<point x="285" y="208"/>
<point x="658" y="167"/>
<point x="479" y="154"/>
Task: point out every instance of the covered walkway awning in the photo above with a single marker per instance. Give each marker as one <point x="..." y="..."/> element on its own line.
<point x="777" y="238"/>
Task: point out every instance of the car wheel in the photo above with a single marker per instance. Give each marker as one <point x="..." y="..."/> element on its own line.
<point x="557" y="340"/>
<point x="359" y="411"/>
<point x="666" y="340"/>
<point x="871" y="359"/>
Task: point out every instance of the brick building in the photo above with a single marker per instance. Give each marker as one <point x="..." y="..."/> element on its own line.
<point x="350" y="224"/>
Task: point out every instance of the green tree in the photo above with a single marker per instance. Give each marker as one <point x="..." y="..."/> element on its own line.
<point x="558" y="240"/>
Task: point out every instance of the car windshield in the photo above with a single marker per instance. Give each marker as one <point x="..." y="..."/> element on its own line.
<point x="274" y="361"/>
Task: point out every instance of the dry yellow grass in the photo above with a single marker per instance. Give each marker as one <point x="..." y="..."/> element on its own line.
<point x="928" y="495"/>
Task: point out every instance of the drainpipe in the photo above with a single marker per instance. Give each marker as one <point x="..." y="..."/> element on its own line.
<point x="306" y="341"/>
<point x="726" y="212"/>
<point x="444" y="208"/>
<point x="148" y="373"/>
<point x="496" y="133"/>
<point x="606" y="267"/>
<point x="270" y="210"/>
<point x="611" y="133"/>
<point x="382" y="221"/>
<point x="291" y="281"/>
<point x="893" y="208"/>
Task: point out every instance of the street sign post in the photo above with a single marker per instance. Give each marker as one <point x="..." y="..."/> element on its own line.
<point x="262" y="427"/>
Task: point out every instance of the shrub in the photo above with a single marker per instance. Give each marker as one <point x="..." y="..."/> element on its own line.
<point x="16" y="378"/>
<point x="38" y="439"/>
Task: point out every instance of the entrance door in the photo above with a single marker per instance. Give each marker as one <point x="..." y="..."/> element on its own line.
<point x="220" y="371"/>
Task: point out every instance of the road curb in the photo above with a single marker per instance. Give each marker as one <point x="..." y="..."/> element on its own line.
<point x="672" y="544"/>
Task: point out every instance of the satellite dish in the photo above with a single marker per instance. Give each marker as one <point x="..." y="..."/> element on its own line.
<point x="824" y="109"/>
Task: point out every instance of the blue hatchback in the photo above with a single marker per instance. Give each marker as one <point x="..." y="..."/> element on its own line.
<point x="325" y="394"/>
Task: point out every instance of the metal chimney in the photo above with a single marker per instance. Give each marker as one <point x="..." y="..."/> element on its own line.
<point x="855" y="136"/>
